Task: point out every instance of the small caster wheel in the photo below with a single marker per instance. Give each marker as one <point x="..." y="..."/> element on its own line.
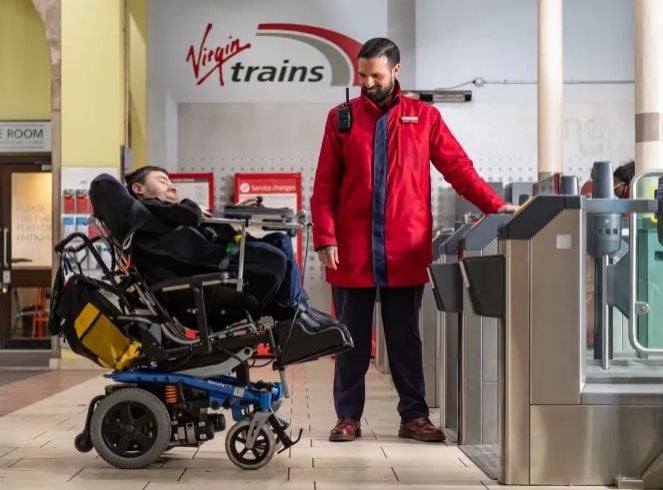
<point x="83" y="443"/>
<point x="256" y="457"/>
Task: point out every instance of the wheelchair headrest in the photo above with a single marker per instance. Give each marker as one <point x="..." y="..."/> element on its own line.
<point x="117" y="209"/>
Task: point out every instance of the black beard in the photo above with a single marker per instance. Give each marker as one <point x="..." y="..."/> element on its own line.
<point x="378" y="94"/>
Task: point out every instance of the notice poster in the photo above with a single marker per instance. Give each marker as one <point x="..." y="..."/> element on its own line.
<point x="199" y="187"/>
<point x="278" y="190"/>
<point x="31" y="202"/>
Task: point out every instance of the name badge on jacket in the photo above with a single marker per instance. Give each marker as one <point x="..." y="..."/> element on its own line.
<point x="409" y="119"/>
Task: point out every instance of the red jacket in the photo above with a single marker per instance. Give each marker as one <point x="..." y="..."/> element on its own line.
<point x="372" y="192"/>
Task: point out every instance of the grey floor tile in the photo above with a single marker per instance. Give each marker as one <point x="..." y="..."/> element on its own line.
<point x="355" y="476"/>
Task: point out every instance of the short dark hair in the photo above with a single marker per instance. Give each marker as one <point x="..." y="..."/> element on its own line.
<point x="378" y="47"/>
<point x="139" y="176"/>
<point x="625" y="173"/>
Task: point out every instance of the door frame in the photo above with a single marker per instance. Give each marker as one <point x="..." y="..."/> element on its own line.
<point x="25" y="278"/>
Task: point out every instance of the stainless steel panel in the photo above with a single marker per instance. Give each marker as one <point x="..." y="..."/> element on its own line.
<point x="621" y="206"/>
<point x="440" y="365"/>
<point x="629" y="393"/>
<point x="489" y="409"/>
<point x="489" y="421"/>
<point x="593" y="445"/>
<point x="470" y="376"/>
<point x="557" y="309"/>
<point x="489" y="327"/>
<point x="452" y="333"/>
<point x="427" y="316"/>
<point x="478" y="367"/>
<point x="451" y="341"/>
<point x="513" y="367"/>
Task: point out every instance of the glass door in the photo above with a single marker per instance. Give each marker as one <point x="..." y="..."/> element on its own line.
<point x="25" y="255"/>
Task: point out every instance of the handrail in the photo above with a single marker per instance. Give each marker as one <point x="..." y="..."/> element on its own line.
<point x="635" y="305"/>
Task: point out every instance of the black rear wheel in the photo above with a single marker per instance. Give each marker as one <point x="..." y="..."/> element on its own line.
<point x="130" y="428"/>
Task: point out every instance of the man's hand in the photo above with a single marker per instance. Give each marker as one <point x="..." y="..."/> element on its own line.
<point x="249" y="202"/>
<point x="206" y="212"/>
<point x="329" y="257"/>
<point x="507" y="209"/>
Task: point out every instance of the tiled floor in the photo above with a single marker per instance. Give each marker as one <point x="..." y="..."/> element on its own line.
<point x="36" y="385"/>
<point x="16" y="375"/>
<point x="36" y="448"/>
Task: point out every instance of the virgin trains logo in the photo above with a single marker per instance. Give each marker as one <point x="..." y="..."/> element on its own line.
<point x="212" y="61"/>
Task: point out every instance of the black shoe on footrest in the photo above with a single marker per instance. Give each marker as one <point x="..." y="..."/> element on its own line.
<point x="321" y="317"/>
<point x="305" y="339"/>
<point x="314" y="322"/>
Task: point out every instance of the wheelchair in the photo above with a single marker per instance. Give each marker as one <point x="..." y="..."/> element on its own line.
<point x="173" y="384"/>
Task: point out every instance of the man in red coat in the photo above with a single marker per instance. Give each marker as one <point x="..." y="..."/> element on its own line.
<point x="372" y="227"/>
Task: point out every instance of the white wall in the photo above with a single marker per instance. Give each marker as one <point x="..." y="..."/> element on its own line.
<point x="458" y="41"/>
<point x="497" y="40"/>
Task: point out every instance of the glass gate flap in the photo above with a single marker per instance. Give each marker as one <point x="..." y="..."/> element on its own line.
<point x="646" y="315"/>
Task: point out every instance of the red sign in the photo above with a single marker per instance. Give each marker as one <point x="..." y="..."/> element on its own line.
<point x="277" y="190"/>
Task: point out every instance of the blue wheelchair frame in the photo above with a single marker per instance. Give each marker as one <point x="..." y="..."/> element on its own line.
<point x="223" y="391"/>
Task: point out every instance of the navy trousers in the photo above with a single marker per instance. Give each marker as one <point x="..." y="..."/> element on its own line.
<point x="400" y="318"/>
<point x="290" y="293"/>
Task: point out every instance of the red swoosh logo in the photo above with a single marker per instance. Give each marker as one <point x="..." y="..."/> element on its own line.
<point x="346" y="44"/>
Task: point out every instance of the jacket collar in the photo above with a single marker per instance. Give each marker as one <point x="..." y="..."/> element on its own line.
<point x="395" y="100"/>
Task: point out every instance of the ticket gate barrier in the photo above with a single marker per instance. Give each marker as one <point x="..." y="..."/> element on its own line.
<point x="429" y="328"/>
<point x="478" y="346"/>
<point x="448" y="328"/>
<point x="564" y="418"/>
<point x="470" y="341"/>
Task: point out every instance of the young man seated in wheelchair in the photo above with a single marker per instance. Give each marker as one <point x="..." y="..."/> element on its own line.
<point x="170" y="271"/>
<point x="270" y="268"/>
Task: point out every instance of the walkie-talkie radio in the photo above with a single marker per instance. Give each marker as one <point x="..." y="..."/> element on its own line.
<point x="344" y="113"/>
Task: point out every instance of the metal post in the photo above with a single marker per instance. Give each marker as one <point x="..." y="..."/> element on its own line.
<point x="242" y="249"/>
<point x="550" y="87"/>
<point x="605" y="336"/>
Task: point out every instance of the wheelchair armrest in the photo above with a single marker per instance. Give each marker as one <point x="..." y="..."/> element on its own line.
<point x="201" y="280"/>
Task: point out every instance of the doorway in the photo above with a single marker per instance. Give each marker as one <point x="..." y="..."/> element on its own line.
<point x="25" y="257"/>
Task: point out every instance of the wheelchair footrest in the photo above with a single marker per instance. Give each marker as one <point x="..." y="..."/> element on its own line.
<point x="300" y="341"/>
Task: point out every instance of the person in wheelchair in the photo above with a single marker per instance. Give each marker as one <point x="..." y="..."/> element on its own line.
<point x="170" y="388"/>
<point x="270" y="269"/>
